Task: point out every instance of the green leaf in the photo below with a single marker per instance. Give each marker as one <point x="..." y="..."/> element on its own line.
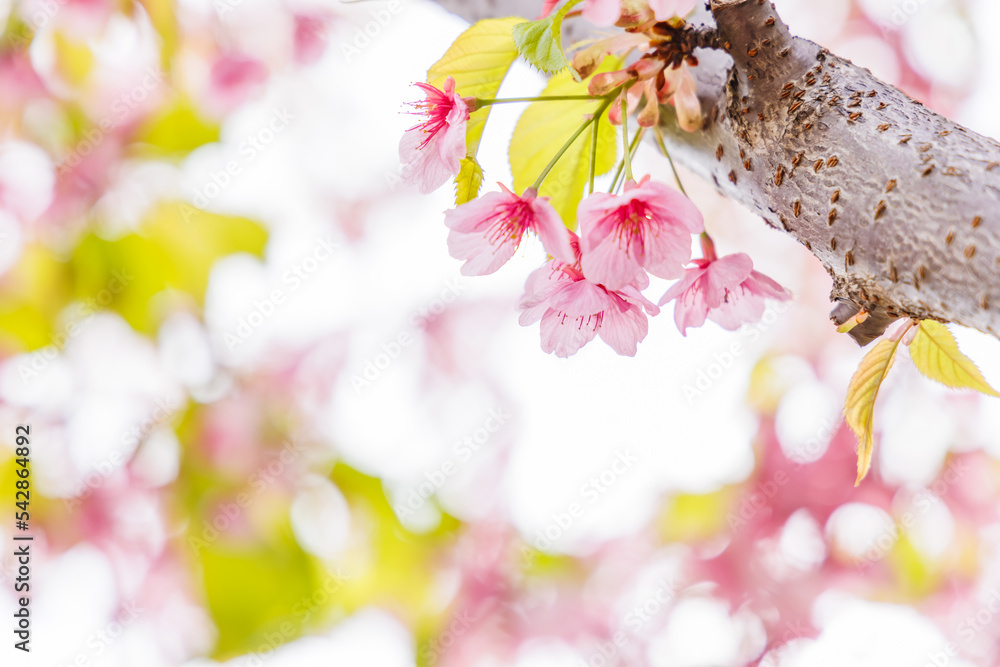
<point x="540" y="43"/>
<point x="935" y="354"/>
<point x="468" y="182"/>
<point x="176" y="247"/>
<point x="478" y="61"/>
<point x="859" y="407"/>
<point x="543" y="129"/>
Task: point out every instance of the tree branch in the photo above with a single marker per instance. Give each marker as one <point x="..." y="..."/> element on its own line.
<point x="899" y="203"/>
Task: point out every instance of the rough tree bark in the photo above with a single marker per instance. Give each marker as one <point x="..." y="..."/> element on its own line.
<point x="900" y="204"/>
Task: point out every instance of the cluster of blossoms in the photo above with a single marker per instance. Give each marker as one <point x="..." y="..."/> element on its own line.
<point x="592" y="285"/>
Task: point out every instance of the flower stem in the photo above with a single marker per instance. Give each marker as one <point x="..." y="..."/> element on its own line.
<point x="663" y="147"/>
<point x="597" y="114"/>
<point x="486" y="101"/>
<point x="625" y="143"/>
<point x="593" y="152"/>
<point x="708" y="247"/>
<point x="632" y="150"/>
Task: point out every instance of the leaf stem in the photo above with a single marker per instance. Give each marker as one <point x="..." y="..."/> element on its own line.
<point x="487" y="101"/>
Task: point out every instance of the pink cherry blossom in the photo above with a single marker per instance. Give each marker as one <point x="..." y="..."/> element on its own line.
<point x="726" y="290"/>
<point x="574" y="310"/>
<point x="431" y="151"/>
<point x="648" y="227"/>
<point x="667" y="9"/>
<point x="487" y="231"/>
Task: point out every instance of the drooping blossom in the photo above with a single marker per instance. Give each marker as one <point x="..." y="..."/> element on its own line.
<point x="574" y="310"/>
<point x="667" y="9"/>
<point x="431" y="151"/>
<point x="487" y="231"/>
<point x="587" y="59"/>
<point x="648" y="227"/>
<point x="725" y="290"/>
<point x="650" y="79"/>
<point x="679" y="88"/>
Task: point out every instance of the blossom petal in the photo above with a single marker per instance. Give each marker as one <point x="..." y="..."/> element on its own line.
<point x="610" y="265"/>
<point x="552" y="232"/>
<point x="564" y="335"/>
<point x="623" y="331"/>
<point x="482" y="257"/>
<point x="740" y="308"/>
<point x="759" y="284"/>
<point x="725" y="273"/>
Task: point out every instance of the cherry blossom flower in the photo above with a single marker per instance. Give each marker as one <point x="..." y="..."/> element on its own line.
<point x="573" y="310"/>
<point x="726" y="290"/>
<point x="648" y="227"/>
<point x="431" y="151"/>
<point x="667" y="9"/>
<point x="487" y="231"/>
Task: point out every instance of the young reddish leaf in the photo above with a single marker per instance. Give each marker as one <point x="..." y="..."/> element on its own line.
<point x="935" y="354"/>
<point x="859" y="407"/>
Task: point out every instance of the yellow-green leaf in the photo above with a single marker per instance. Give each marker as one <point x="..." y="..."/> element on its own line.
<point x="859" y="408"/>
<point x="178" y="129"/>
<point x="478" y="61"/>
<point x="175" y="249"/>
<point x="935" y="354"/>
<point x="543" y="129"/>
<point x="468" y="182"/>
